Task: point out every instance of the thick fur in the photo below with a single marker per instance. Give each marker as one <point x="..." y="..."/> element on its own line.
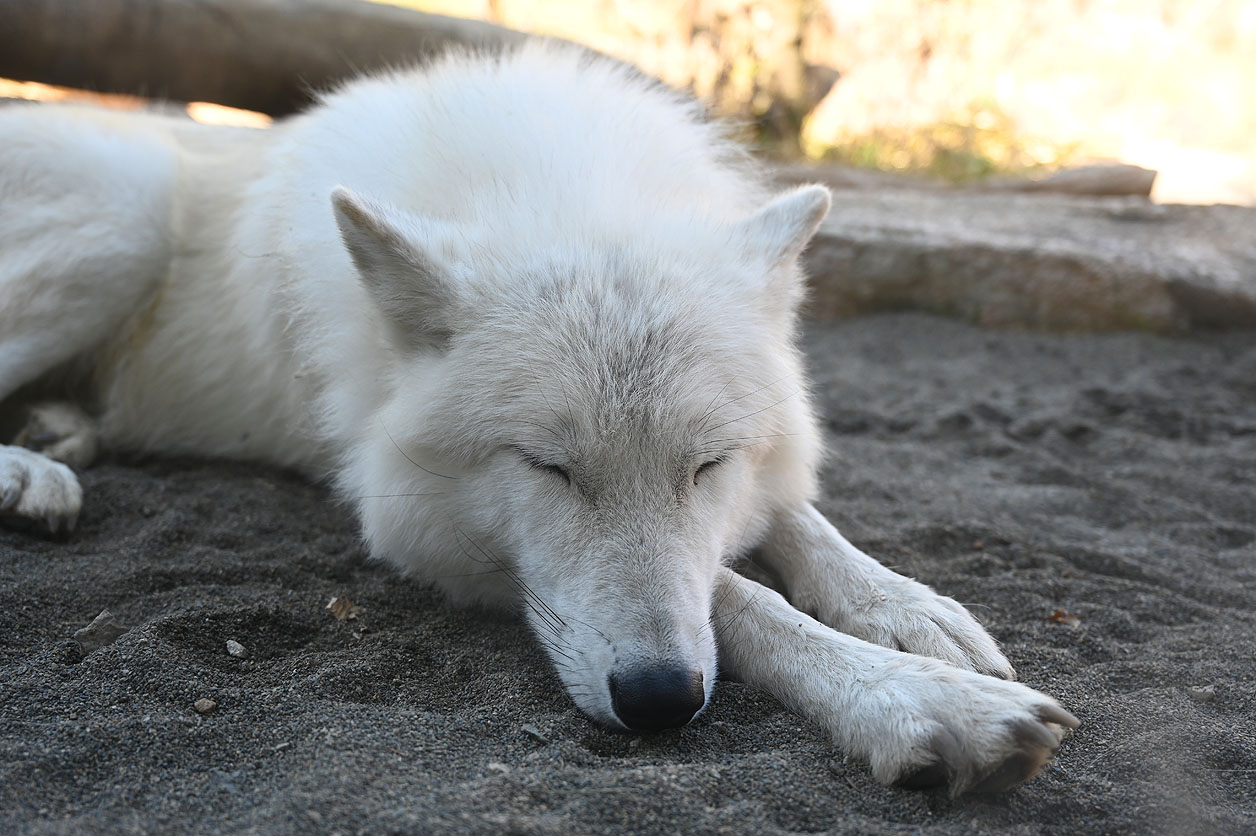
<point x="535" y="318"/>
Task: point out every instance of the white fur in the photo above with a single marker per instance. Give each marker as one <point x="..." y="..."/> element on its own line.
<point x="533" y="315"/>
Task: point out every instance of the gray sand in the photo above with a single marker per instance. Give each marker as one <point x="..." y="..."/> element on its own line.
<point x="1113" y="478"/>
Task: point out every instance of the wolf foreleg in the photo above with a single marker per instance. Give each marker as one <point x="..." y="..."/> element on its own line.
<point x="826" y="576"/>
<point x="917" y="721"/>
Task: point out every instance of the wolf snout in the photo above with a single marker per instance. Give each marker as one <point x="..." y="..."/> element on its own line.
<point x="653" y="699"/>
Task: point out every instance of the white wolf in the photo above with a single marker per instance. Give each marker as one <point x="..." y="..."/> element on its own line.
<point x="533" y="314"/>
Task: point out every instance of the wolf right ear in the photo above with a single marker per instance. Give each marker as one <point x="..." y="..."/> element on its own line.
<point x="393" y="251"/>
<point x="775" y="236"/>
<point x="780" y="231"/>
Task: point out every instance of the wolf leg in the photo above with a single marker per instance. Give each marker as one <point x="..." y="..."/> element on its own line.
<point x="917" y="721"/>
<point x="84" y="232"/>
<point x="84" y="243"/>
<point x="62" y="432"/>
<point x="826" y="576"/>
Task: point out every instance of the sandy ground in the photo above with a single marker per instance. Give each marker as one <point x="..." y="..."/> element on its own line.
<point x="1111" y="478"/>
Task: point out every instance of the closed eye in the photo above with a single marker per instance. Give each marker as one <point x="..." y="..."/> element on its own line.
<point x="706" y="467"/>
<point x="556" y="470"/>
<point x="537" y="463"/>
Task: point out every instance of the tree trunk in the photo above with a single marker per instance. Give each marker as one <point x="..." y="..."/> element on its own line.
<point x="265" y="55"/>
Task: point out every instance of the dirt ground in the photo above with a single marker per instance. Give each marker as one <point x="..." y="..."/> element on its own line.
<point x="1108" y="481"/>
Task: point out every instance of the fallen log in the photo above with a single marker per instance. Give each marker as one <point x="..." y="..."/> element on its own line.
<point x="1112" y="179"/>
<point x="1099" y="179"/>
<point x="1040" y="261"/>
<point x="264" y="55"/>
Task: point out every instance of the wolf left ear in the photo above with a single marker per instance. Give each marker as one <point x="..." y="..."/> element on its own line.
<point x="394" y="253"/>
<point x="780" y="231"/>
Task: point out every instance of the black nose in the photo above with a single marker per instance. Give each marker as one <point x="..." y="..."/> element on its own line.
<point x="653" y="699"/>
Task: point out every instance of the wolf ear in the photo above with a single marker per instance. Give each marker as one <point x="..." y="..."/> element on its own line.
<point x="780" y="231"/>
<point x="410" y="285"/>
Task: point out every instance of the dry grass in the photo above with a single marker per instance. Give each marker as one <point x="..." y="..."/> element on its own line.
<point x="1160" y="83"/>
<point x="978" y="142"/>
<point x="954" y="88"/>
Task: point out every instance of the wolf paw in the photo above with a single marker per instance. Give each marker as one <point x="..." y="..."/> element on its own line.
<point x="60" y="431"/>
<point x="37" y="488"/>
<point x="970" y="732"/>
<point x="903" y="614"/>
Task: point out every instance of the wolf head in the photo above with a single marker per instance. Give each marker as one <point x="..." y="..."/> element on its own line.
<point x="588" y="428"/>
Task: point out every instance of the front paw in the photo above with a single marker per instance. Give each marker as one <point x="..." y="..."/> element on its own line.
<point x="902" y="614"/>
<point x="37" y="488"/>
<point x="972" y="733"/>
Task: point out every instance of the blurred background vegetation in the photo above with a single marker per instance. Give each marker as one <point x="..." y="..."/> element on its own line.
<point x="953" y="89"/>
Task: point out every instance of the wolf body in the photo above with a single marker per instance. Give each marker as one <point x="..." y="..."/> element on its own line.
<point x="534" y="317"/>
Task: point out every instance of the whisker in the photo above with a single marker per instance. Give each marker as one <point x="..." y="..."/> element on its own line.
<point x="544" y="396"/>
<point x="548" y="429"/>
<point x="470" y="574"/>
<point x="732" y="617"/>
<point x="756" y="412"/>
<point x="736" y="552"/>
<point x="752" y="437"/>
<point x="713" y="449"/>
<point x="571" y="418"/>
<point x="510" y="573"/>
<point x="739" y="398"/>
<point x="407" y="457"/>
<point x="553" y="647"/>
<point x="591" y="627"/>
<point x="529" y="598"/>
<point x="710" y="407"/>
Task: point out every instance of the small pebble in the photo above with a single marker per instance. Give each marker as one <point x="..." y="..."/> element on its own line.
<point x="499" y="768"/>
<point x="103" y="630"/>
<point x="1203" y="693"/>
<point x="204" y="705"/>
<point x="534" y="733"/>
<point x="234" y="648"/>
